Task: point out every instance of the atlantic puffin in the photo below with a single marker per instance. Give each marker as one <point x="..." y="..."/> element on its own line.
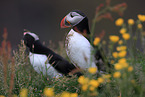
<point x="42" y="58"/>
<point x="77" y="44"/>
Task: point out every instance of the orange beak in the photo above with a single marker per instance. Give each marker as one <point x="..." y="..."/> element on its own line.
<point x="64" y="23"/>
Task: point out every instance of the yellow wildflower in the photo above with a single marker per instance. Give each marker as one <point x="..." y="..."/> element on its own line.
<point x="130" y="21"/>
<point x="122" y="60"/>
<point x="118" y="48"/>
<point x="82" y="80"/>
<point x="141" y="18"/>
<point x="116" y="74"/>
<point x="124" y="65"/>
<point x="126" y="36"/>
<point x="94" y="83"/>
<point x="73" y="95"/>
<point x="2" y="96"/>
<point x="91" y="88"/>
<point x="100" y="80"/>
<point x="84" y="87"/>
<point x="49" y="92"/>
<point x="115" y="54"/>
<point x="139" y="26"/>
<point x="122" y="31"/>
<point x="121" y="48"/>
<point x="118" y="66"/>
<point x="24" y="92"/>
<point x="119" y="22"/>
<point x="65" y="94"/>
<point x="122" y="53"/>
<point x="92" y="70"/>
<point x="130" y="68"/>
<point x="96" y="41"/>
<point x="114" y="38"/>
<point x="120" y="42"/>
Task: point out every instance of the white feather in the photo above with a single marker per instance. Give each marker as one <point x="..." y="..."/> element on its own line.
<point x="79" y="50"/>
<point x="40" y="65"/>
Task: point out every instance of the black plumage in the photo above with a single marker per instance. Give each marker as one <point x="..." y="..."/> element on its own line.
<point x="58" y="62"/>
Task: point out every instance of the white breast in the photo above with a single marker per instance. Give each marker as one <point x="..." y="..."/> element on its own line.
<point x="79" y="50"/>
<point x="41" y="65"/>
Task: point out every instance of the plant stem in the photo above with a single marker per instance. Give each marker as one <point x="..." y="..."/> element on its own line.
<point x="94" y="22"/>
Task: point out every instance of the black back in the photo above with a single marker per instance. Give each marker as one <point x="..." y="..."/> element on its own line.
<point x="58" y="62"/>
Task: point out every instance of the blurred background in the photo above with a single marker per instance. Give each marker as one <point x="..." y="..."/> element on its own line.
<point x="43" y="17"/>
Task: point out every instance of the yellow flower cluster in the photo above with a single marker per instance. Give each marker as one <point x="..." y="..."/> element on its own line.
<point x="126" y="36"/>
<point x="94" y="83"/>
<point x="122" y="60"/>
<point x="96" y="41"/>
<point x="139" y="26"/>
<point x="122" y="53"/>
<point x="114" y="38"/>
<point x="2" y="96"/>
<point x="67" y="94"/>
<point x="100" y="80"/>
<point x="49" y="92"/>
<point x="115" y="54"/>
<point x="92" y="70"/>
<point x="119" y="22"/>
<point x="120" y="42"/>
<point x="120" y="48"/>
<point x="90" y="84"/>
<point x="121" y="64"/>
<point x="141" y="18"/>
<point x="130" y="68"/>
<point x="116" y="74"/>
<point x="24" y="92"/>
<point x="130" y="21"/>
<point x="123" y="30"/>
<point x="82" y="80"/>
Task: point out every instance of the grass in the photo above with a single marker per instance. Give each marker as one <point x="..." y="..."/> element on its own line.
<point x="18" y="78"/>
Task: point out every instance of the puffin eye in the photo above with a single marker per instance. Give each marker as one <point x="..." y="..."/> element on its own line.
<point x="71" y="15"/>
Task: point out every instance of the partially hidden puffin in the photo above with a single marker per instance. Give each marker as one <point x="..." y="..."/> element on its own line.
<point x="77" y="44"/>
<point x="45" y="60"/>
<point x="78" y="47"/>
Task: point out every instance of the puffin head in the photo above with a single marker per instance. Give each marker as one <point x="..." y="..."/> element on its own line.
<point x="77" y="20"/>
<point x="29" y="38"/>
